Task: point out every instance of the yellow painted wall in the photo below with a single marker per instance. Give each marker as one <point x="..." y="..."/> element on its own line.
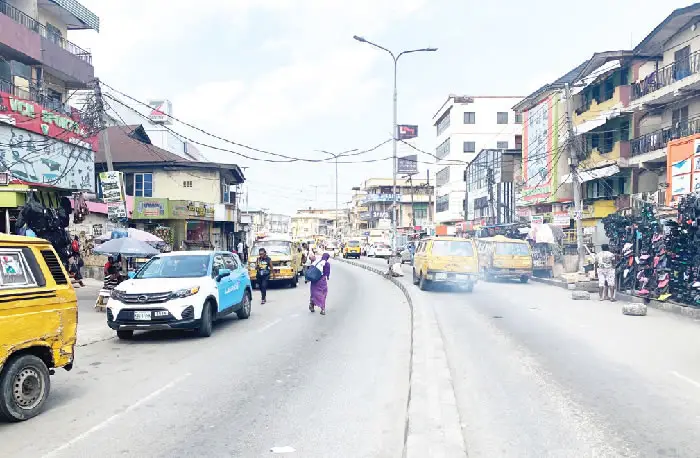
<point x="206" y="185"/>
<point x="596" y="157"/>
<point x="596" y="109"/>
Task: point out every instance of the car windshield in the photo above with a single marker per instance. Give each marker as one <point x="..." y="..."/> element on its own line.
<point x="353" y="243"/>
<point x="452" y="248"/>
<point x="274" y="247"/>
<point x="382" y="246"/>
<point x="176" y="266"/>
<point x="512" y="249"/>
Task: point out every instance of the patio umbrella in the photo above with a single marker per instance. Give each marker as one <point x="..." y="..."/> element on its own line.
<point x="126" y="247"/>
<point x="134" y="233"/>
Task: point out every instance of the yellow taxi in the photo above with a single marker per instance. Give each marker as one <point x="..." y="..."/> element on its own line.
<point x="503" y="257"/>
<point x="446" y="260"/>
<point x="38" y="324"/>
<point x="285" y="256"/>
<point x="352" y="249"/>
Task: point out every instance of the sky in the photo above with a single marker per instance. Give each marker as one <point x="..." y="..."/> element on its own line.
<point x="286" y="76"/>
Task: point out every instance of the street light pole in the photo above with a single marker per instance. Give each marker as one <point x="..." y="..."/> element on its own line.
<point x="395" y="128"/>
<point x="336" y="156"/>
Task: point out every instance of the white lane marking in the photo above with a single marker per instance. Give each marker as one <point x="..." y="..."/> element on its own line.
<point x="687" y="379"/>
<point x="269" y="325"/>
<point x="285" y="449"/>
<point x="294" y="315"/>
<point x="106" y="422"/>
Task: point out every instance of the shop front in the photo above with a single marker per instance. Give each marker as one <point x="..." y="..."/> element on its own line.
<point x="186" y="224"/>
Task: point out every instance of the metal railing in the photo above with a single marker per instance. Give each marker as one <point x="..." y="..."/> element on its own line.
<point x="35" y="95"/>
<point x="29" y="22"/>
<point x="667" y="75"/>
<point x="659" y="138"/>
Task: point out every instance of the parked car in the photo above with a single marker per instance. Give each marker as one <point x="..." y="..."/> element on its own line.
<point x="379" y="250"/>
<point x="39" y="311"/>
<point x="405" y="254"/>
<point x="181" y="290"/>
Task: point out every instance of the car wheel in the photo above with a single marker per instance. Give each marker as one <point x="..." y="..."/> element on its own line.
<point x="24" y="388"/>
<point x="469" y="288"/>
<point x="244" y="312"/>
<point x="294" y="282"/>
<point x="524" y="278"/>
<point x="124" y="334"/>
<point x="206" y="324"/>
<point x="423" y="284"/>
<point x="415" y="277"/>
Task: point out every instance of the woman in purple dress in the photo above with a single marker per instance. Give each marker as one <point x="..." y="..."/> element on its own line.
<point x="319" y="289"/>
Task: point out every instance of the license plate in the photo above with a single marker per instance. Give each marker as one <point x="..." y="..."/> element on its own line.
<point x="463" y="277"/>
<point x="142" y="316"/>
<point x="441" y="276"/>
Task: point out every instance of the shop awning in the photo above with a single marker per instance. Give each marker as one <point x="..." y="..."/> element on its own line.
<point x="591" y="124"/>
<point x="593" y="174"/>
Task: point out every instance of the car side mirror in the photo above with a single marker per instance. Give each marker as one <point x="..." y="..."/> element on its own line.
<point x="223" y="273"/>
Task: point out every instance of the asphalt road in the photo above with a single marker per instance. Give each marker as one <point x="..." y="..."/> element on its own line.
<point x="326" y="386"/>
<point x="537" y="374"/>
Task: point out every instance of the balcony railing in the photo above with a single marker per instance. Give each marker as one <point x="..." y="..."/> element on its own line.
<point x="32" y="24"/>
<point x="659" y="138"/>
<point x="667" y="75"/>
<point x="35" y="95"/>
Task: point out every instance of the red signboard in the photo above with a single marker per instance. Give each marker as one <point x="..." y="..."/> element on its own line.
<point x="31" y="116"/>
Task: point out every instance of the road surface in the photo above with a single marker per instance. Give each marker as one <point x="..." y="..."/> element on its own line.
<point x="326" y="386"/>
<point x="537" y="374"/>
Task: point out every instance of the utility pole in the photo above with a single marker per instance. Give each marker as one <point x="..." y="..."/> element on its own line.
<point x="489" y="183"/>
<point x="103" y="125"/>
<point x="336" y="156"/>
<point x="573" y="166"/>
<point x="430" y="196"/>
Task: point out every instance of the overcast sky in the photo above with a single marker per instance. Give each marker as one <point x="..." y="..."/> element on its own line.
<point x="286" y="76"/>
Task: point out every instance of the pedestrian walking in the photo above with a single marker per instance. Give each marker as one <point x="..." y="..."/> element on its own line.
<point x="263" y="268"/>
<point x="606" y="273"/>
<point x="310" y="257"/>
<point x="319" y="289"/>
<point x="240" y="250"/>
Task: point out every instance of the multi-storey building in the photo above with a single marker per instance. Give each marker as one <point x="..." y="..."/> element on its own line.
<point x="46" y="142"/>
<point x="464" y="126"/>
<point x="414" y="197"/>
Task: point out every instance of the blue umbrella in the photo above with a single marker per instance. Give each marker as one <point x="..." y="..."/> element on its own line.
<point x="126" y="247"/>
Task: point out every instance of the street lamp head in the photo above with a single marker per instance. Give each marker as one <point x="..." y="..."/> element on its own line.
<point x="431" y="49"/>
<point x="360" y="39"/>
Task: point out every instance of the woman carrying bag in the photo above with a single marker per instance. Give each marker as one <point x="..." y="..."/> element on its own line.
<point x="319" y="274"/>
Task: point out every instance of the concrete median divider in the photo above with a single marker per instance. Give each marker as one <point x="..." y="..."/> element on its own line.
<point x="433" y="427"/>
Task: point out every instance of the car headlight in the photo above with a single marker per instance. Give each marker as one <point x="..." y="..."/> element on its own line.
<point x="115" y="294"/>
<point x="180" y="293"/>
<point x="288" y="264"/>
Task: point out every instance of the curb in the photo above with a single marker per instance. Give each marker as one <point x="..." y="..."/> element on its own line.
<point x="421" y="412"/>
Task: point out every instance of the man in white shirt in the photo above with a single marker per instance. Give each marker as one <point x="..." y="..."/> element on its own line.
<point x="606" y="273"/>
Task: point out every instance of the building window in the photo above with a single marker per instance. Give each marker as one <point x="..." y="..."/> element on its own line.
<point x="53" y="33"/>
<point x="469" y="117"/>
<point x="187" y="184"/>
<point x="608" y="141"/>
<point x="443" y="149"/>
<point x="502" y="117"/>
<point x="443" y="176"/>
<point x="470" y="147"/>
<point x="518" y="118"/>
<point x="143" y="185"/>
<point x="442" y="203"/>
<point x="443" y="123"/>
<point x="518" y="142"/>
<point x="502" y="145"/>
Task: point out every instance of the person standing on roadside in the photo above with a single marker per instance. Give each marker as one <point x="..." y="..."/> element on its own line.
<point x="606" y="273"/>
<point x="239" y="248"/>
<point x="310" y="256"/>
<point x="263" y="269"/>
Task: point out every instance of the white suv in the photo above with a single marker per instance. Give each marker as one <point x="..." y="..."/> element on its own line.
<point x="181" y="290"/>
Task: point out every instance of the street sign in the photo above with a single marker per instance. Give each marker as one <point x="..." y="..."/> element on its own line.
<point x="407" y="165"/>
<point x="406" y="132"/>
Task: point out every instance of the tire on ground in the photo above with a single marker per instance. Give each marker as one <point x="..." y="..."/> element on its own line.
<point x="32" y="369"/>
<point x="580" y="295"/>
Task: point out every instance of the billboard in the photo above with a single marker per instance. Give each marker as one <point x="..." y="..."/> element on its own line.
<point x="407" y="165"/>
<point x="407" y="132"/>
<point x="161" y="111"/>
<point x="34" y="158"/>
<point x="540" y="144"/>
<point x="682" y="168"/>
<point x="33" y="117"/>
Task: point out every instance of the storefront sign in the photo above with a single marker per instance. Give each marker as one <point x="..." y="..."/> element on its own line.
<point x="382" y="197"/>
<point x="150" y="208"/>
<point x="536" y="219"/>
<point x="32" y="159"/>
<point x="33" y="117"/>
<point x="200" y="210"/>
<point x="117" y="211"/>
<point x="561" y="219"/>
<point x="407" y="165"/>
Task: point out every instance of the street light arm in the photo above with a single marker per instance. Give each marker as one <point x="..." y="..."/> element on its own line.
<point x="415" y="50"/>
<point x="363" y="40"/>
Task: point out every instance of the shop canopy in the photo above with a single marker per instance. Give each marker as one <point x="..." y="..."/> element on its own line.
<point x="593" y="174"/>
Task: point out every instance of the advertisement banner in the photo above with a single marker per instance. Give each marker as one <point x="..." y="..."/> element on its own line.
<point x="540" y="142"/>
<point x="150" y="208"/>
<point x="407" y="165"/>
<point x="32" y="158"/>
<point x="406" y="132"/>
<point x="112" y="184"/>
<point x="33" y="117"/>
<point x="561" y="219"/>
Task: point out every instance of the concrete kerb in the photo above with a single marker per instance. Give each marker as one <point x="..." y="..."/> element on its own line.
<point x="416" y="444"/>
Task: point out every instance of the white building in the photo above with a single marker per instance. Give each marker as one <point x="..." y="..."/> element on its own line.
<point x="464" y="126"/>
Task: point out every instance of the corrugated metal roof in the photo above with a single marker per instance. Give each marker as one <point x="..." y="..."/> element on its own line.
<point x="81" y="13"/>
